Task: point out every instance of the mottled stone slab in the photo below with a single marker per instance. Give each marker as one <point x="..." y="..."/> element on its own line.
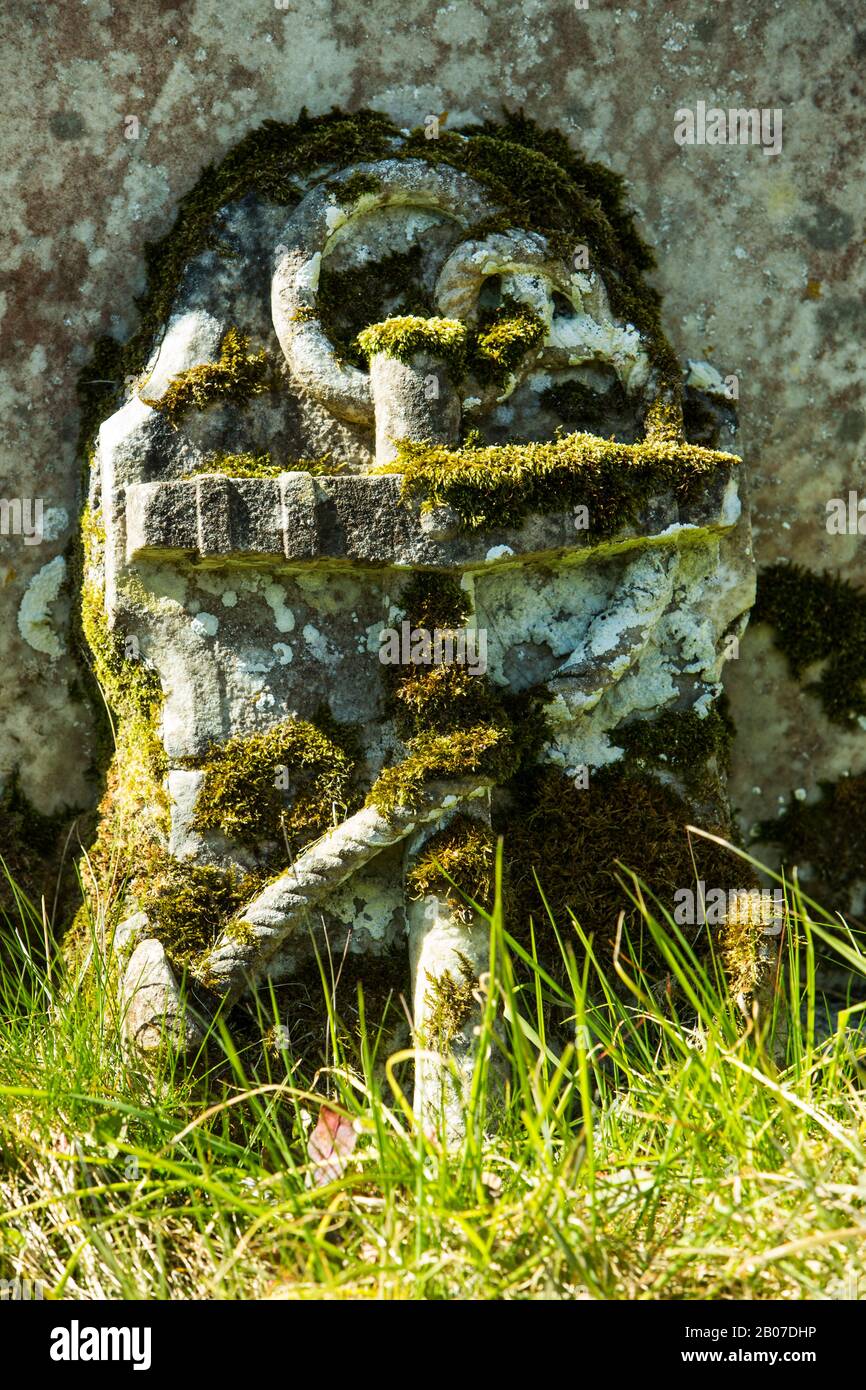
<point x="363" y="521"/>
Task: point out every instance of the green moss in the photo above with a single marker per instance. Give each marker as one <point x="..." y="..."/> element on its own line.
<point x="680" y="740"/>
<point x="500" y="484"/>
<point x="188" y="905"/>
<point x="573" y="400"/>
<point x="577" y="841"/>
<point x="829" y="834"/>
<point x="355" y="186"/>
<point x="435" y="600"/>
<point x="458" y="861"/>
<point x="261" y="466"/>
<point x="533" y="174"/>
<point x="663" y="425"/>
<point x="818" y="618"/>
<point x="269" y="161"/>
<point x="502" y="340"/>
<point x="234" y="379"/>
<point x="544" y="185"/>
<point x="484" y="750"/>
<point x="403" y="337"/>
<point x="453" y="724"/>
<point x="739" y="934"/>
<point x="349" y="301"/>
<point x="239" y="466"/>
<point x="130" y="685"/>
<point x="289" y="784"/>
<point x="491" y="352"/>
<point x="449" y="1003"/>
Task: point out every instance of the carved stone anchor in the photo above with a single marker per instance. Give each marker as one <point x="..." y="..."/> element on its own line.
<point x="253" y="598"/>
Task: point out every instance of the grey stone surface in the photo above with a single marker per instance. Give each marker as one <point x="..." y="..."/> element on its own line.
<point x="758" y="257"/>
<point x="201" y="571"/>
<point x="155" y="1015"/>
<point x="366" y="522"/>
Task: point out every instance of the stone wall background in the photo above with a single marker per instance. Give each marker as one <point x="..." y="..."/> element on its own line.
<point x="760" y="258"/>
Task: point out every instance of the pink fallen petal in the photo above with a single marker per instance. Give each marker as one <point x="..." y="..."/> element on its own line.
<point x="330" y="1145"/>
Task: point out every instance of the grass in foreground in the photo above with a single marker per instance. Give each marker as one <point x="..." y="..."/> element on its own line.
<point x="645" y="1157"/>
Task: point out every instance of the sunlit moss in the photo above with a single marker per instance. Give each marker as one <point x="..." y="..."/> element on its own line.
<point x="449" y="1004"/>
<point x="290" y="783"/>
<point x="237" y="375"/>
<point x="458" y="862"/>
<point x="500" y="484"/>
<point x="261" y="465"/>
<point x="453" y="723"/>
<point x="349" y="301"/>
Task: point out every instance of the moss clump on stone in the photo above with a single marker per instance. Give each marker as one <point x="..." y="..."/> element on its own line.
<point x="500" y="484"/>
<point x="130" y="685"/>
<point x="581" y="841"/>
<point x="289" y="784"/>
<point x="502" y="340"/>
<point x="829" y="834"/>
<point x="349" y="301"/>
<point x="270" y="161"/>
<point x="682" y="741"/>
<point x="534" y="175"/>
<point x="490" y="352"/>
<point x="260" y="466"/>
<point x="449" y="1002"/>
<point x="459" y="862"/>
<point x="818" y="618"/>
<point x="750" y="915"/>
<point x="239" y="466"/>
<point x="574" y="400"/>
<point x="435" y="600"/>
<point x="484" y="751"/>
<point x="236" y="376"/>
<point x="188" y="905"/>
<point x="405" y="337"/>
<point x="355" y="186"/>
<point x="544" y="185"/>
<point x="453" y="723"/>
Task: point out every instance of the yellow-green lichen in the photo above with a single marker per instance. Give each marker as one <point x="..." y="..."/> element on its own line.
<point x="236" y="376"/>
<point x="500" y="484"/>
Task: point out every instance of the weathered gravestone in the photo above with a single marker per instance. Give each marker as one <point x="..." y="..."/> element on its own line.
<point x="396" y="541"/>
